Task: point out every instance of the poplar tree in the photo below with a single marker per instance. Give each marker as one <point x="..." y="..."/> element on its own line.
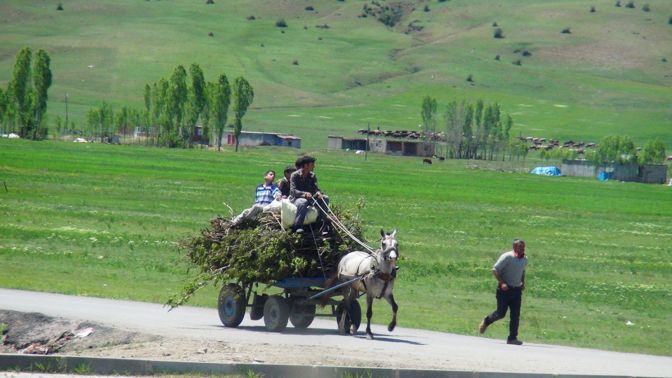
<point x="197" y="98"/>
<point x="220" y="101"/>
<point x="244" y="95"/>
<point x="177" y="98"/>
<point x="21" y="89"/>
<point x="42" y="78"/>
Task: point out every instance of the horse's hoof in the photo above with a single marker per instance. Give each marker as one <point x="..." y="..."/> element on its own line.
<point x="369" y="336"/>
<point x="390" y="327"/>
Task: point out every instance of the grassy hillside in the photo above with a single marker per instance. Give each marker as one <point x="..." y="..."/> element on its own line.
<point x="105" y="220"/>
<point x="607" y="77"/>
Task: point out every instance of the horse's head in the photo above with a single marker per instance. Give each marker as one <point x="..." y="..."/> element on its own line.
<point x="389" y="245"/>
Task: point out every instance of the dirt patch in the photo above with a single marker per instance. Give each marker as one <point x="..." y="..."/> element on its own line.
<point x="34" y="333"/>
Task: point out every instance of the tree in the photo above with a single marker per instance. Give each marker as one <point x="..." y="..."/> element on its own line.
<point x="428" y="118"/>
<point x="177" y="98"/>
<point x="42" y="78"/>
<point x="3" y="108"/>
<point x="197" y="97"/>
<point x="122" y="121"/>
<point x="148" y="98"/>
<point x="244" y="95"/>
<point x="619" y="149"/>
<point x="653" y="153"/>
<point x="21" y="90"/>
<point x="220" y="101"/>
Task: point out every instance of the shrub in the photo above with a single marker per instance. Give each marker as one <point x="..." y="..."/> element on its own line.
<point x="646" y="8"/>
<point x="669" y="20"/>
<point x="426" y="8"/>
<point x="618" y="3"/>
<point x="497" y="57"/>
<point x="310" y="8"/>
<point x="499" y="33"/>
<point x="518" y="62"/>
<point x="281" y="23"/>
<point x="592" y="9"/>
<point x="664" y="60"/>
<point x="251" y="18"/>
<point x="527" y="53"/>
<point x="210" y="1"/>
<point x="494" y="24"/>
<point x="566" y="31"/>
<point x="653" y="153"/>
<point x="470" y="78"/>
<point x="211" y="34"/>
<point x="630" y="4"/>
<point x="323" y="26"/>
<point x="295" y="62"/>
<point x="59" y="7"/>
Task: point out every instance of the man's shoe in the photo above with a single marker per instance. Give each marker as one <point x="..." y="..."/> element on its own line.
<point x="483" y="326"/>
<point x="299" y="231"/>
<point x="514" y="342"/>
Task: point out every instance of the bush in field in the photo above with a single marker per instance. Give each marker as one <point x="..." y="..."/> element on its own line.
<point x="566" y="31"/>
<point x="592" y="9"/>
<point x="210" y="1"/>
<point x="499" y="33"/>
<point x="281" y="23"/>
<point x="630" y="4"/>
<point x="653" y="153"/>
<point x="59" y="7"/>
<point x="669" y="21"/>
<point x="618" y="3"/>
<point x="620" y="149"/>
<point x="646" y="8"/>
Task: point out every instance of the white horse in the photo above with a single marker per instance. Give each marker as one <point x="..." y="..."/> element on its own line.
<point x="378" y="272"/>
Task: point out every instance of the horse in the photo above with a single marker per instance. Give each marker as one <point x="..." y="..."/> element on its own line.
<point x="377" y="270"/>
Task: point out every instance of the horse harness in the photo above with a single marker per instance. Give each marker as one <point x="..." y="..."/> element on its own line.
<point x="385" y="277"/>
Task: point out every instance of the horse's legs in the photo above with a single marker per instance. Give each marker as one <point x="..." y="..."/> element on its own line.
<point x="369" y="313"/>
<point x="346" y="310"/>
<point x="393" y="323"/>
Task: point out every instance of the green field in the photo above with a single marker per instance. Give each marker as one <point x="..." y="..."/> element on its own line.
<point x="607" y="77"/>
<point x="104" y="220"/>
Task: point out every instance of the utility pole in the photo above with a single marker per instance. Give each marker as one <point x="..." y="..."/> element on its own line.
<point x="366" y="149"/>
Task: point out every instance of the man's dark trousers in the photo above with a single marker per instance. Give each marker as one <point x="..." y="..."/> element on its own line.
<point x="509" y="299"/>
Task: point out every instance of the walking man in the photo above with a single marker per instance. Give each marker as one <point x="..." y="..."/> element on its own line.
<point x="509" y="270"/>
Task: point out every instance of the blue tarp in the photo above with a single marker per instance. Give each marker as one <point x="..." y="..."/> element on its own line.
<point x="546" y="171"/>
<point x="604" y="175"/>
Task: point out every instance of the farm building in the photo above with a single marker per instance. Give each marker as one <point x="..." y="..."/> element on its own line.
<point x="390" y="147"/>
<point x="258" y="138"/>
<point x="650" y="174"/>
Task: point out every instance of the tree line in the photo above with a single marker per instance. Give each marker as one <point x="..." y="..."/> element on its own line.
<point x="23" y="104"/>
<point x="471" y="131"/>
<point x="175" y="106"/>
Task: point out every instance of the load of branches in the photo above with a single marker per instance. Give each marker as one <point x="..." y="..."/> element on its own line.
<point x="259" y="250"/>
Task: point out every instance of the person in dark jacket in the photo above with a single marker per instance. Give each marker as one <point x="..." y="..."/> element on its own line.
<point x="283" y="183"/>
<point x="303" y="190"/>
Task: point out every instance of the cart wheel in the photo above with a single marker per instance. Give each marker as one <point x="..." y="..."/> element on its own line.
<point x="356" y="319"/>
<point x="231" y="305"/>
<point x="276" y="313"/>
<point x="258" y="302"/>
<point x="302" y="315"/>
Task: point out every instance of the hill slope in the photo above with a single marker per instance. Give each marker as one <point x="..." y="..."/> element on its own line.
<point x="606" y="77"/>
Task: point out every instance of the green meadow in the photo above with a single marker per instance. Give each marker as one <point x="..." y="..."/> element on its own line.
<point x="101" y="220"/>
<point x="609" y="76"/>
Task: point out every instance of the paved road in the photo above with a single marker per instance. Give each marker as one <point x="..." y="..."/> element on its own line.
<point x="416" y="348"/>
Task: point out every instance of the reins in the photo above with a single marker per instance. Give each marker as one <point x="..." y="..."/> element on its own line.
<point x="326" y="210"/>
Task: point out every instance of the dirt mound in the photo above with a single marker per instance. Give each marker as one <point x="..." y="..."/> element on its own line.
<point x="34" y="333"/>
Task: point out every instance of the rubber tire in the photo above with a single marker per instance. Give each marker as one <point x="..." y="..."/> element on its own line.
<point x="276" y="313"/>
<point x="301" y="316"/>
<point x="257" y="311"/>
<point x="231" y="305"/>
<point x="356" y="316"/>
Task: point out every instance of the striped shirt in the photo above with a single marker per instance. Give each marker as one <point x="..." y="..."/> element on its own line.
<point x="266" y="194"/>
